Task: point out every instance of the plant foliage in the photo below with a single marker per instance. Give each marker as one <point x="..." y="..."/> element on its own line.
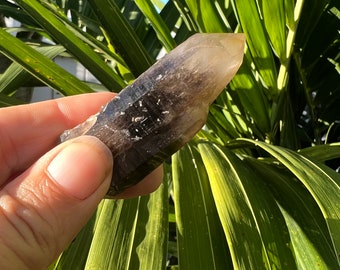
<point x="258" y="187"/>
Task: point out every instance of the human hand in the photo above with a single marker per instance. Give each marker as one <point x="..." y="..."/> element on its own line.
<point x="49" y="192"/>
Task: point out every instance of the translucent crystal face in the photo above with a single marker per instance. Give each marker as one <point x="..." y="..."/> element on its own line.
<point x="165" y="106"/>
<point x="206" y="64"/>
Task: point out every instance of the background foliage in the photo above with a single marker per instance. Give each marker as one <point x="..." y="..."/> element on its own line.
<point x="258" y="187"/>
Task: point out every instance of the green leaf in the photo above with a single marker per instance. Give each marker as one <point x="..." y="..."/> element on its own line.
<point x="87" y="38"/>
<point x="16" y="76"/>
<point x="252" y="96"/>
<point x="75" y="256"/>
<point x="252" y="25"/>
<point x="289" y="13"/>
<point x="152" y="247"/>
<point x="6" y="101"/>
<point x="322" y="182"/>
<point x="13" y="11"/>
<point x="236" y="208"/>
<point x="323" y="152"/>
<point x="225" y="129"/>
<point x="187" y="17"/>
<point x="206" y="16"/>
<point x="310" y="239"/>
<point x="73" y="44"/>
<point x="307" y="255"/>
<point x="40" y="66"/>
<point x="175" y="22"/>
<point x="131" y="234"/>
<point x="252" y="221"/>
<point x="122" y="36"/>
<point x="200" y="238"/>
<point x="283" y="121"/>
<point x="274" y="18"/>
<point x="163" y="33"/>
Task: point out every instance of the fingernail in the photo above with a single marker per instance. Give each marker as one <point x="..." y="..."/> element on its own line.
<point x="81" y="167"/>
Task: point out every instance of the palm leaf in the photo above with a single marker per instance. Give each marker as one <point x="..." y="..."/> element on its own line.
<point x="158" y="24"/>
<point x="195" y="214"/>
<point x="314" y="177"/>
<point x="15" y="76"/>
<point x="251" y="220"/>
<point x="40" y="66"/>
<point x="73" y="44"/>
<point x="249" y="203"/>
<point x="122" y="36"/>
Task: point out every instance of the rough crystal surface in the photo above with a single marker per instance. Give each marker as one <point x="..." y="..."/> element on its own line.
<point x="165" y="107"/>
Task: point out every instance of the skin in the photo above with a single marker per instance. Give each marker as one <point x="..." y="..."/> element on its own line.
<point x="49" y="191"/>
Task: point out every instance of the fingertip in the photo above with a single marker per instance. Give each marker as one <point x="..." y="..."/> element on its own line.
<point x="81" y="167"/>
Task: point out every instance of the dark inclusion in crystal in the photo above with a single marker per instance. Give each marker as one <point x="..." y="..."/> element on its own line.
<point x="164" y="108"/>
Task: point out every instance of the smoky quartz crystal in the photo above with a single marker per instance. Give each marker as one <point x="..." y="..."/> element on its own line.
<point x="164" y="107"/>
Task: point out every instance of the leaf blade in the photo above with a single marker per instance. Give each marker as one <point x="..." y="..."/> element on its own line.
<point x="313" y="176"/>
<point x="40" y="66"/>
<point x="252" y="222"/>
<point x="199" y="232"/>
<point x="73" y="44"/>
<point x="158" y="24"/>
<point x="122" y="36"/>
<point x="257" y="41"/>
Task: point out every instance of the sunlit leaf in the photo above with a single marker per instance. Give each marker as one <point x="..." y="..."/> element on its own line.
<point x="131" y="233"/>
<point x="16" y="76"/>
<point x="40" y="66"/>
<point x="158" y="24"/>
<point x="308" y="231"/>
<point x="239" y="204"/>
<point x="199" y="231"/>
<point x="206" y="16"/>
<point x="253" y="224"/>
<point x="274" y="18"/>
<point x="73" y="44"/>
<point x="259" y="46"/>
<point x="322" y="183"/>
<point x="122" y="36"/>
<point x="322" y="152"/>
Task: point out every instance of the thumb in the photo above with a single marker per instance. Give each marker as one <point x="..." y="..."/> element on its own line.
<point x="43" y="209"/>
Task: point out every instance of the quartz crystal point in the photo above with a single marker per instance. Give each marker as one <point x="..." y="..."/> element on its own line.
<point x="164" y="107"/>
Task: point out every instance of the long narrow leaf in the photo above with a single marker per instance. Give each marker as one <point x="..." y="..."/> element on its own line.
<point x="206" y="16"/>
<point x="13" y="11"/>
<point x="152" y="246"/>
<point x="322" y="152"/>
<point x="122" y="36"/>
<point x="16" y="76"/>
<point x="158" y="24"/>
<point x="95" y="43"/>
<point x="254" y="226"/>
<point x="322" y="183"/>
<point x="74" y="258"/>
<point x="252" y="96"/>
<point x="6" y="101"/>
<point x="275" y="22"/>
<point x="125" y="228"/>
<point x="310" y="238"/>
<point x="40" y="66"/>
<point x="201" y="241"/>
<point x="257" y="41"/>
<point x="73" y="44"/>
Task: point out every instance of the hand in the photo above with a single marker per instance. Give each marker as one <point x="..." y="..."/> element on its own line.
<point x="49" y="192"/>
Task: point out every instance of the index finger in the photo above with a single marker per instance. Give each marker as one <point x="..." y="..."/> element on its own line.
<point x="28" y="131"/>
